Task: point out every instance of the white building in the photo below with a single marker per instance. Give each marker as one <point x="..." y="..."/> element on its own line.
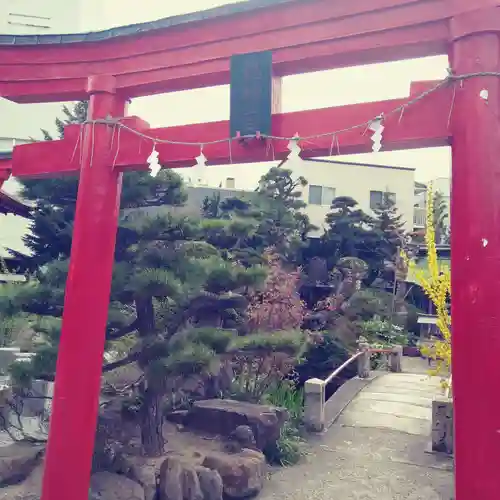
<point x="440" y="185"/>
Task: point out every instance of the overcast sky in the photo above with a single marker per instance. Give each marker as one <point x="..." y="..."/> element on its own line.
<point x="331" y="88"/>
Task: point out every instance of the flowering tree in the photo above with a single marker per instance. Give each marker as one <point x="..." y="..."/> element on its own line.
<point x="436" y="283"/>
<point x="278" y="307"/>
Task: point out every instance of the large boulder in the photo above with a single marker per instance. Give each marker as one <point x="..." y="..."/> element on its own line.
<point x="17" y="462"/>
<point x="142" y="470"/>
<point x="30" y="489"/>
<point x="180" y="480"/>
<point x="223" y="416"/>
<point x="241" y="437"/>
<point x="108" y="486"/>
<point x="242" y="474"/>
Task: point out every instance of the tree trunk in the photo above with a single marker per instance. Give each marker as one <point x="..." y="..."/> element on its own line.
<point x="145" y="316"/>
<point x="152" y="424"/>
<point x="152" y="409"/>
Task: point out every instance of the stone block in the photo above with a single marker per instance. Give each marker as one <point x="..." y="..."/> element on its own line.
<point x="442" y="426"/>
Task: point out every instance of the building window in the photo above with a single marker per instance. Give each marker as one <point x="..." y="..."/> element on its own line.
<point x="321" y="195"/>
<point x="377" y="198"/>
<point x="230" y="183"/>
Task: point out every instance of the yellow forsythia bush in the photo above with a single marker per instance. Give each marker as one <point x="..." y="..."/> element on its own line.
<point x="436" y="283"/>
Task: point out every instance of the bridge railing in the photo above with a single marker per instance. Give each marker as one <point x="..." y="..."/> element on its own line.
<point x="316" y="406"/>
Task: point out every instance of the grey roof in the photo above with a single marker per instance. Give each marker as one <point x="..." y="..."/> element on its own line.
<point x="135" y="29"/>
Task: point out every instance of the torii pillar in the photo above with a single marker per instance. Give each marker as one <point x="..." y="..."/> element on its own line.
<point x="475" y="213"/>
<point x="86" y="302"/>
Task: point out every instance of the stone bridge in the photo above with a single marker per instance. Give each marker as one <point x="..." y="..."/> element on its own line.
<point x="377" y="445"/>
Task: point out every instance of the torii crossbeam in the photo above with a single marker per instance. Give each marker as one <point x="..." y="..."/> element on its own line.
<point x="193" y="51"/>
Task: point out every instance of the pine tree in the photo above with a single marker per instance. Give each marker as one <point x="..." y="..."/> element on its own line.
<point x="272" y="216"/>
<point x="390" y="225"/>
<point x="177" y="296"/>
<point x="440" y="218"/>
<point x="351" y="233"/>
<point x="284" y="222"/>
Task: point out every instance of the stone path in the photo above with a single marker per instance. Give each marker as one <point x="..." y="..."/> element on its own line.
<point x="376" y="450"/>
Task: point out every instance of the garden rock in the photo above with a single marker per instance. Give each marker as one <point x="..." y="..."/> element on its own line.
<point x="242" y="474"/>
<point x="108" y="486"/>
<point x="241" y="437"/>
<point x="180" y="480"/>
<point x="177" y="417"/>
<point x="142" y="470"/>
<point x="17" y="462"/>
<point x="30" y="489"/>
<point x="210" y="483"/>
<point x="222" y="416"/>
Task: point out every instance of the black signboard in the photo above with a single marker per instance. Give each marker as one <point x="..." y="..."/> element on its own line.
<point x="252" y="100"/>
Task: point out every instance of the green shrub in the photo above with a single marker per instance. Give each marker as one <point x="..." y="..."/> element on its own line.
<point x="383" y="334"/>
<point x="291" y="342"/>
<point x="289" y="447"/>
<point x="286" y="395"/>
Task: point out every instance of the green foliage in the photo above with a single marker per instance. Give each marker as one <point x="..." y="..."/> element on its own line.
<point x="272" y="216"/>
<point x="263" y="360"/>
<point x="286" y="395"/>
<point x="321" y="356"/>
<point x="168" y="277"/>
<point x="390" y="226"/>
<point x="292" y="342"/>
<point x="383" y="334"/>
<point x="216" y="339"/>
<point x="193" y="357"/>
<point x="351" y="233"/>
<point x="288" y="449"/>
<point x="369" y="303"/>
<point x="21" y="374"/>
<point x="440" y="218"/>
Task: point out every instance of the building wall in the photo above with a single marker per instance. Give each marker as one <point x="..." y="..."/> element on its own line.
<point x="439" y="184"/>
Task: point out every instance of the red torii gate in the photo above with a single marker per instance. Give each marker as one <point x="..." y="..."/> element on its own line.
<point x="194" y="51"/>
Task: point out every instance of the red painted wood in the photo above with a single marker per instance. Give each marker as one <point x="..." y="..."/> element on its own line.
<point x="303" y="34"/>
<point x="342" y="35"/>
<point x="476" y="267"/>
<point x="79" y="364"/>
<point x="423" y="124"/>
<point x="420" y="41"/>
<point x="237" y="27"/>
